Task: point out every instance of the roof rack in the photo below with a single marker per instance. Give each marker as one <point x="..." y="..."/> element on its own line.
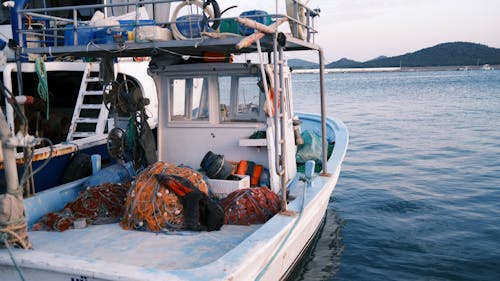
<point x="42" y="31"/>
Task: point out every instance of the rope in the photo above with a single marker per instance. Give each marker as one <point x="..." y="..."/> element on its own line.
<point x="175" y="31"/>
<point x="17" y="232"/>
<point x="275" y="255"/>
<point x="12" y="257"/>
<point x="43" y="85"/>
<point x="28" y="173"/>
<point x="131" y="133"/>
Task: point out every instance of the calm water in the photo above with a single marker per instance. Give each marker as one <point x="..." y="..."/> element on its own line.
<point x="419" y="194"/>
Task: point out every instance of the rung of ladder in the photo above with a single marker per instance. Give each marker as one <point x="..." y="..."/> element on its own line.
<point x="83" y="134"/>
<point x="91" y="106"/>
<point x="93" y="79"/>
<point x="77" y="119"/>
<point x="87" y="120"/>
<point x="93" y="93"/>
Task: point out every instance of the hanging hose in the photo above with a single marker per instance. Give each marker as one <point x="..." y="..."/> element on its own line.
<point x="43" y="85"/>
<point x="28" y="173"/>
<point x="217" y="14"/>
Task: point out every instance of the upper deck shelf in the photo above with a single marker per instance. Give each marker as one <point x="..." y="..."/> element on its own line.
<point x="134" y="33"/>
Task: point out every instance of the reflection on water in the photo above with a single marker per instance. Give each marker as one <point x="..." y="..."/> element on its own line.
<point x="323" y="258"/>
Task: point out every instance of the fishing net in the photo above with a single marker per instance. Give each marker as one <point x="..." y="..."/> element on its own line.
<point x="97" y="205"/>
<point x="250" y="206"/>
<point x="151" y="206"/>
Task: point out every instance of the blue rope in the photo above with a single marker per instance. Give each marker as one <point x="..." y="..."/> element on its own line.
<point x="4" y="238"/>
<point x="43" y="85"/>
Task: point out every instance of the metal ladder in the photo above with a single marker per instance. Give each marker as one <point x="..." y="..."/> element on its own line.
<point x="90" y="125"/>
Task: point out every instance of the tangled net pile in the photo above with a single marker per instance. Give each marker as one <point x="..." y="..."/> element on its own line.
<point x="98" y="205"/>
<point x="151" y="206"/>
<point x="250" y="206"/>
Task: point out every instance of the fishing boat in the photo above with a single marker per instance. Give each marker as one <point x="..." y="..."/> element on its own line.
<point x="72" y="117"/>
<point x="215" y="117"/>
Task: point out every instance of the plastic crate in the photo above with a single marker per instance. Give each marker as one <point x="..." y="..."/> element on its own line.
<point x="221" y="188"/>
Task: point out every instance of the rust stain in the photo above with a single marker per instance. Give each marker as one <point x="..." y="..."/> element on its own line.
<point x="42" y="155"/>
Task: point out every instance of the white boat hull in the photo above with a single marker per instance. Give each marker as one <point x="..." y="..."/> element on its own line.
<point x="268" y="253"/>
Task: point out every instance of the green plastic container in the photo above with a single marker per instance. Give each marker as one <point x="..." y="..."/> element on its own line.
<point x="229" y="26"/>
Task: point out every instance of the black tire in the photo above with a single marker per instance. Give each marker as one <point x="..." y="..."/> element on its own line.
<point x="217" y="13"/>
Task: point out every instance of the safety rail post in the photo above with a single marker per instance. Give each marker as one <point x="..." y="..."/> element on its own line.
<point x="323" y="112"/>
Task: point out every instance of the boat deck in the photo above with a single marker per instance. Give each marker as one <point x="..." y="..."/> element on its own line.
<point x="162" y="251"/>
<point x="172" y="250"/>
<point x="177" y="47"/>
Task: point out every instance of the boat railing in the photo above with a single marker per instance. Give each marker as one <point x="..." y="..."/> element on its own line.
<point x="42" y="30"/>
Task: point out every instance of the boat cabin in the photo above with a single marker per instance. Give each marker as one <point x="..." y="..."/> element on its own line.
<point x="210" y="106"/>
<point x="223" y="108"/>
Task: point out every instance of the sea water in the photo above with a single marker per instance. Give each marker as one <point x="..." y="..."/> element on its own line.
<point x="419" y="194"/>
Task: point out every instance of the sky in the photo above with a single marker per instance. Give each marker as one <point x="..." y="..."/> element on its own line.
<point x="365" y="29"/>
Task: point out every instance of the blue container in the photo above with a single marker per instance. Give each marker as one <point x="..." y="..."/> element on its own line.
<point x="106" y="35"/>
<point x="130" y="25"/>
<point x="84" y="35"/>
<point x="190" y="26"/>
<point x="256" y="15"/>
<point x="117" y="173"/>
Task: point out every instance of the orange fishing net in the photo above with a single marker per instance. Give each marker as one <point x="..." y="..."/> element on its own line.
<point x="250" y="206"/>
<point x="151" y="206"/>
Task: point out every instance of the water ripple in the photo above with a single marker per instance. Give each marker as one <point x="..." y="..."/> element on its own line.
<point x="419" y="194"/>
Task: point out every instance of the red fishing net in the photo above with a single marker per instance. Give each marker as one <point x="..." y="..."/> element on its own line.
<point x="250" y="206"/>
<point x="97" y="205"/>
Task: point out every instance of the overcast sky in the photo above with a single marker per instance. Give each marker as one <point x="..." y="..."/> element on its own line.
<point x="365" y="29"/>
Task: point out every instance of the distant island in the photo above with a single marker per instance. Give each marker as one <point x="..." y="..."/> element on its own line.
<point x="454" y="54"/>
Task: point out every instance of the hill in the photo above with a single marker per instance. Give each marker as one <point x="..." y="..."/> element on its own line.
<point x="344" y="63"/>
<point x="446" y="54"/>
<point x="301" y="64"/>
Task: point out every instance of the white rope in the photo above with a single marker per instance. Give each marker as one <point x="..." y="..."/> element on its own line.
<point x="175" y="31"/>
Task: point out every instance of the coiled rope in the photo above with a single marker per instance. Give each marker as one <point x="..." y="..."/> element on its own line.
<point x="43" y="85"/>
<point x="17" y="232"/>
<point x="203" y="6"/>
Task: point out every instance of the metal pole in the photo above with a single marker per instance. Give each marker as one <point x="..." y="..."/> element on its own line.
<point x="9" y="158"/>
<point x="11" y="204"/>
<point x="323" y="112"/>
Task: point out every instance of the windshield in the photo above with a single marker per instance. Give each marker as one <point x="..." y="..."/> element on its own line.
<point x="4" y="15"/>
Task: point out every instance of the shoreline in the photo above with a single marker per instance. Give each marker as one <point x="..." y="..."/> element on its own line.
<point x="394" y="69"/>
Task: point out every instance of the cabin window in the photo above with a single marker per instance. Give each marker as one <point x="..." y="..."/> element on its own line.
<point x="4" y="17"/>
<point x="240" y="99"/>
<point x="189" y="99"/>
